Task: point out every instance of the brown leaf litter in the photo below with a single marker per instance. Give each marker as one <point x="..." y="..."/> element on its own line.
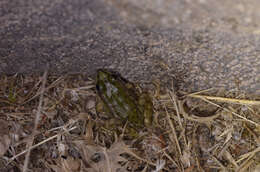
<point x="211" y="130"/>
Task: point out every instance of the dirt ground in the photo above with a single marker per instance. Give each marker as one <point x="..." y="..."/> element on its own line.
<point x="58" y="118"/>
<point x="202" y="43"/>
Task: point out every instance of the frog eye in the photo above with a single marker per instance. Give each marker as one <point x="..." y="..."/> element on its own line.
<point x="98" y="87"/>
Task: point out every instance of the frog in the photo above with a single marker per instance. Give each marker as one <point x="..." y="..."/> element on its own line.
<point x="121" y="99"/>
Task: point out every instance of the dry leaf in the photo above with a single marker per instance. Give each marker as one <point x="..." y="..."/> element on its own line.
<point x="102" y="159"/>
<point x="70" y="164"/>
<point x="5" y="139"/>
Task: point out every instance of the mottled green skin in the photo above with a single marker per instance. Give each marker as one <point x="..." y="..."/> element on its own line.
<point x="121" y="99"/>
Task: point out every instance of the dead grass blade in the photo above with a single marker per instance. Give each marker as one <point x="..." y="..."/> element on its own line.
<point x="248" y="155"/>
<point x="173" y="130"/>
<point x="204" y="119"/>
<point x="174" y="100"/>
<point x="226" y="100"/>
<point x="244" y="167"/>
<point x="45" y="89"/>
<point x="234" y="113"/>
<point x="38" y="144"/>
<point x="37" y="118"/>
<point x="142" y="159"/>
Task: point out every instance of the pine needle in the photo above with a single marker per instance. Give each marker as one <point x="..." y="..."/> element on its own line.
<point x="227" y="100"/>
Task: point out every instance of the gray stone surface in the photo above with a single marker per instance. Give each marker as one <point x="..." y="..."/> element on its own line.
<point x="201" y="44"/>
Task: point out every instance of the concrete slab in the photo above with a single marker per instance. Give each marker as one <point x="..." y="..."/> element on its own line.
<point x="201" y="44"/>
